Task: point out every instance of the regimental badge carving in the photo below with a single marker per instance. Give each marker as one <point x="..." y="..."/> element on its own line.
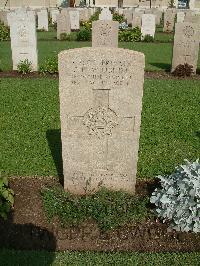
<point x="100" y="121"/>
<point x="188" y="31"/>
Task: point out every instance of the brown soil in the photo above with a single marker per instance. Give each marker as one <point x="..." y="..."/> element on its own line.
<point x="27" y="228"/>
<point x="148" y="74"/>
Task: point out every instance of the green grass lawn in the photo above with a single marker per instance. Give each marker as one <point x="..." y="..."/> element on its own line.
<point x="30" y="126"/>
<point x="33" y="258"/>
<point x="157" y="55"/>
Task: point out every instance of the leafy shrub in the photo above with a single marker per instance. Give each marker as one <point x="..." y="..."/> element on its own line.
<point x="119" y="18"/>
<point x="50" y="66"/>
<point x="109" y="209"/>
<point x="6" y="198"/>
<point x="54" y="25"/>
<point x="178" y="199"/>
<point x="84" y="35"/>
<point x="183" y="70"/>
<point x="87" y="25"/>
<point x="130" y="35"/>
<point x="24" y="67"/>
<point x="95" y="16"/>
<point x="63" y="36"/>
<point x="148" y="38"/>
<point x="68" y="36"/>
<point x="4" y="33"/>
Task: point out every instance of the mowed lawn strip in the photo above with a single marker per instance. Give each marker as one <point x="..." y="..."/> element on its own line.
<point x="30" y="126"/>
<point x="42" y="258"/>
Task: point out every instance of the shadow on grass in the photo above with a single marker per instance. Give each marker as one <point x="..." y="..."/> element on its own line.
<point x="54" y="140"/>
<point x="22" y="238"/>
<point x="166" y="67"/>
<point x="25" y="236"/>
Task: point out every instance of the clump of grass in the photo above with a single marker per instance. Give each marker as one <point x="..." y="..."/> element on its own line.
<point x="110" y="209"/>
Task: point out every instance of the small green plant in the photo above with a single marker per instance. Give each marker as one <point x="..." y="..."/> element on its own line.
<point x="130" y="35"/>
<point x="24" y="67"/>
<point x="108" y="208"/>
<point x="50" y="66"/>
<point x="87" y="25"/>
<point x="184" y="70"/>
<point x="4" y="33"/>
<point x="84" y="35"/>
<point x="68" y="36"/>
<point x="178" y="199"/>
<point x="41" y="30"/>
<point x="119" y="18"/>
<point x="6" y="197"/>
<point x="148" y="38"/>
<point x="63" y="36"/>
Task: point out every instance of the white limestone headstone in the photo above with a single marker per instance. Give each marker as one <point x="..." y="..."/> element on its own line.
<point x="186" y="45"/>
<point x="148" y="25"/>
<point x="128" y="14"/>
<point x="101" y="93"/>
<point x="105" y="33"/>
<point x="23" y="37"/>
<point x="74" y="20"/>
<point x="63" y="24"/>
<point x="137" y="20"/>
<point x="54" y="14"/>
<point x="169" y="19"/>
<point x="105" y="14"/>
<point x="180" y="17"/>
<point x="43" y="21"/>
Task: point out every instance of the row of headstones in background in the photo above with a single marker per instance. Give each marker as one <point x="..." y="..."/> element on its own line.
<point x="132" y="15"/>
<point x="182" y="16"/>
<point x="42" y="16"/>
<point x="69" y="19"/>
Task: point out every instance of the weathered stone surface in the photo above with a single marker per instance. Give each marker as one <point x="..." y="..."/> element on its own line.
<point x="105" y="33"/>
<point x="100" y="107"/>
<point x="63" y="24"/>
<point x="23" y="37"/>
<point x="105" y="14"/>
<point x="186" y="45"/>
<point x="74" y="20"/>
<point x="84" y="14"/>
<point x="148" y="25"/>
<point x="158" y="14"/>
<point x="54" y="14"/>
<point x="128" y="14"/>
<point x="191" y="17"/>
<point x="169" y="17"/>
<point x="106" y="3"/>
<point x="43" y="20"/>
<point x="180" y="17"/>
<point x="137" y="20"/>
